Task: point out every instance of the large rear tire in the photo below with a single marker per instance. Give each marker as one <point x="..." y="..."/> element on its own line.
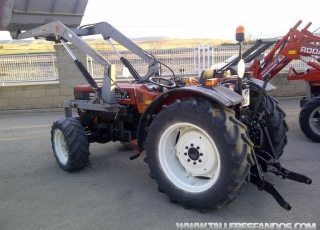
<point x="309" y="119"/>
<point x="276" y="125"/>
<point x="198" y="153"/>
<point x="70" y="144"/>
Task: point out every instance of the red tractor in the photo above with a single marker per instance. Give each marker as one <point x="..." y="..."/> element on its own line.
<point x="204" y="141"/>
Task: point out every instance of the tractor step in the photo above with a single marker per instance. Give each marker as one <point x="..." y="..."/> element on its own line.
<point x="134" y="143"/>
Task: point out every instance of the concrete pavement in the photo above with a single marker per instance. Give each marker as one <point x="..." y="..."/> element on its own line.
<point x="116" y="193"/>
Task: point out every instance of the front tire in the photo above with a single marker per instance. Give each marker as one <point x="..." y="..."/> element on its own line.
<point x="309" y="119"/>
<point x="198" y="153"/>
<point x="70" y="144"/>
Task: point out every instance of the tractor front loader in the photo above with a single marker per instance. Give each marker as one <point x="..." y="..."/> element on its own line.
<point x="203" y="141"/>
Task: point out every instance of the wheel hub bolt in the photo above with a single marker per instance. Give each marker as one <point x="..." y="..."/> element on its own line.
<point x="188" y="160"/>
<point x="201" y="154"/>
<point x="185" y="154"/>
<point x="194" y="163"/>
<point x="198" y="147"/>
<point x="200" y="160"/>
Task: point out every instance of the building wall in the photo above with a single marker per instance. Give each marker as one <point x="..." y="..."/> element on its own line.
<point x="45" y="95"/>
<point x="286" y="88"/>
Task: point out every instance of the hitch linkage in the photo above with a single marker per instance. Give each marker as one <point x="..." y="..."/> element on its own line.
<point x="271" y="189"/>
<point x="266" y="163"/>
<point x="277" y="169"/>
<point x="258" y="179"/>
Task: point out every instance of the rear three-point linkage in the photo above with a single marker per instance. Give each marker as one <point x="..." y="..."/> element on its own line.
<point x="267" y="161"/>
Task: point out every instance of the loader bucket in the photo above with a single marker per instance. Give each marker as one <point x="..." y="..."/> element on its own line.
<point x="20" y="15"/>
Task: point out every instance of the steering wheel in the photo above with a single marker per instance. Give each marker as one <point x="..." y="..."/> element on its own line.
<point x="162" y="82"/>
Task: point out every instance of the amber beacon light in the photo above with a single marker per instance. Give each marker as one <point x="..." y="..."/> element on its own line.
<point x="240" y="33"/>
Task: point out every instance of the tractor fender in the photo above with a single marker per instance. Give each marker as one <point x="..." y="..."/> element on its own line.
<point x="218" y="94"/>
<point x="256" y="84"/>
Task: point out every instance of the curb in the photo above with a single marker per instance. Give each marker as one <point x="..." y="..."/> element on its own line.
<point x="60" y="109"/>
<point x="294" y="98"/>
<point x="25" y="111"/>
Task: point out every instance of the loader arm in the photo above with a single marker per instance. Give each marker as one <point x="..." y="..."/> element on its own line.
<point x="57" y="30"/>
<point x="55" y="19"/>
<point x="293" y="46"/>
<point x="251" y="54"/>
<point x="108" y="31"/>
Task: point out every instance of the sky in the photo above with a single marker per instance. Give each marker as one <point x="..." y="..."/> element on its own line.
<point x="217" y="19"/>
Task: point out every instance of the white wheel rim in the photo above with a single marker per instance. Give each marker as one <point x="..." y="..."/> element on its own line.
<point x="60" y="146"/>
<point x="193" y="163"/>
<point x="314" y="121"/>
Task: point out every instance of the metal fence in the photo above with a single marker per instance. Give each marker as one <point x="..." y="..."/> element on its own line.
<point x="27" y="67"/>
<point x="179" y="60"/>
<point x="186" y="61"/>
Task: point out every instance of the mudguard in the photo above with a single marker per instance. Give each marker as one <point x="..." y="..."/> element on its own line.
<point x="219" y="94"/>
<point x="256" y="83"/>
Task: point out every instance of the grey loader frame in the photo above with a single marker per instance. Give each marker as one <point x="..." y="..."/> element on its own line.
<point x="104" y="99"/>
